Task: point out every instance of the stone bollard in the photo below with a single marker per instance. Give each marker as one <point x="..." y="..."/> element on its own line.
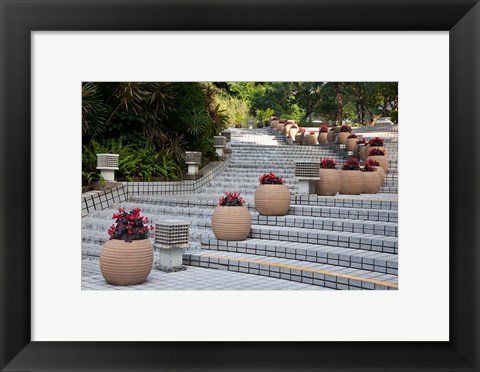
<point x="219" y="142"/>
<point x="307" y="173"/>
<point x="193" y="159"/>
<point x="108" y="164"/>
<point x="171" y="237"/>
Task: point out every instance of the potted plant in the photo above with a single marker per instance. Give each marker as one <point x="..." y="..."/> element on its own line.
<point x="351" y="142"/>
<point x="351" y="178"/>
<point x="298" y="136"/>
<point x="376" y="143"/>
<point x="272" y="197"/>
<point x="329" y="183"/>
<point x="381" y="172"/>
<point x="311" y="138"/>
<point x="371" y="178"/>
<point x="293" y="131"/>
<point x="280" y="125"/>
<point x="231" y="219"/>
<point x="127" y="257"/>
<point x="331" y="135"/>
<point x="359" y="144"/>
<point x="323" y="134"/>
<point x="379" y="155"/>
<point x="345" y="131"/>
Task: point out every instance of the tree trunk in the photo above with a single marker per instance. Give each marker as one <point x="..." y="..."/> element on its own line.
<point x="339" y="100"/>
<point x="375" y="118"/>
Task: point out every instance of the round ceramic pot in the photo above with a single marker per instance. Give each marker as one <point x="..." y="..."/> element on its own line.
<point x="372" y="182"/>
<point x="342" y="137"/>
<point x="351" y="182"/>
<point x="231" y="223"/>
<point x="376" y="147"/>
<point x="286" y="128"/>
<point x="363" y="152"/>
<point x="298" y="138"/>
<point x="123" y="263"/>
<point x="322" y="137"/>
<point x="356" y="151"/>
<point x="329" y="183"/>
<point x="331" y="136"/>
<point x="275" y="123"/>
<point x="280" y="127"/>
<point x="311" y="139"/>
<point x="272" y="200"/>
<point x="291" y="121"/>
<point x="381" y="173"/>
<point x="350" y="143"/>
<point x="292" y="132"/>
<point x="382" y="160"/>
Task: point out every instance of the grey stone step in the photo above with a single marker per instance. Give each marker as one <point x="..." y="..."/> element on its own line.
<point x="368" y="242"/>
<point x="344" y="213"/>
<point x="323" y="275"/>
<point x="346" y="257"/>
<point x="363" y="201"/>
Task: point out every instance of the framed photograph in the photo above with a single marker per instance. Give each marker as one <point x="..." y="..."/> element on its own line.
<point x="49" y="48"/>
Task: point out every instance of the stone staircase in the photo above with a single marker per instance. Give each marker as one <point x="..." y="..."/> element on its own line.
<point x="342" y="242"/>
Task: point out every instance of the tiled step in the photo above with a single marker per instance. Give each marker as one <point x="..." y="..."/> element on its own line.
<point x="323" y="275"/>
<point x="369" y="242"/>
<point x="346" y="257"/>
<point x="372" y="201"/>
<point x="344" y="213"/>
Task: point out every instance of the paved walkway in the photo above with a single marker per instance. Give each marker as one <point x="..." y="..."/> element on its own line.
<point x="341" y="242"/>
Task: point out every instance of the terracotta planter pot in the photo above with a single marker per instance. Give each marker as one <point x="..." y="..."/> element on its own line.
<point x="275" y="123"/>
<point x="280" y="127"/>
<point x="124" y="263"/>
<point x="363" y="152"/>
<point x="342" y="137"/>
<point x="383" y="160"/>
<point x="323" y="137"/>
<point x="351" y="182"/>
<point x="331" y="136"/>
<point x="272" y="200"/>
<point x="372" y="182"/>
<point x="231" y="223"/>
<point x="286" y="128"/>
<point x="329" y="183"/>
<point x="356" y="151"/>
<point x="381" y="173"/>
<point x="311" y="139"/>
<point x="350" y="143"/>
<point x="292" y="132"/>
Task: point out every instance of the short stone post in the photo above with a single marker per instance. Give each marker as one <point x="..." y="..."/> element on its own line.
<point x="219" y="142"/>
<point x="171" y="237"/>
<point x="108" y="164"/>
<point x="193" y="159"/>
<point x="307" y="173"/>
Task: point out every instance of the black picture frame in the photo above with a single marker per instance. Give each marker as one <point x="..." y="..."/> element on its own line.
<point x="19" y="18"/>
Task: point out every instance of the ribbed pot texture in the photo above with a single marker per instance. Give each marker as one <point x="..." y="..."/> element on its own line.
<point x="322" y="137"/>
<point x="311" y="139"/>
<point x="383" y="160"/>
<point x="124" y="263"/>
<point x="292" y="132"/>
<point x="231" y="223"/>
<point x="342" y="137"/>
<point x="351" y="182"/>
<point x="329" y="183"/>
<point x="381" y="173"/>
<point x="286" y="128"/>
<point x="372" y="182"/>
<point x="363" y="152"/>
<point x="350" y="143"/>
<point x="272" y="200"/>
<point x="331" y="136"/>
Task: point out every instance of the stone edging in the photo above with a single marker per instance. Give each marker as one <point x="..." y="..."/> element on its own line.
<point x="99" y="200"/>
